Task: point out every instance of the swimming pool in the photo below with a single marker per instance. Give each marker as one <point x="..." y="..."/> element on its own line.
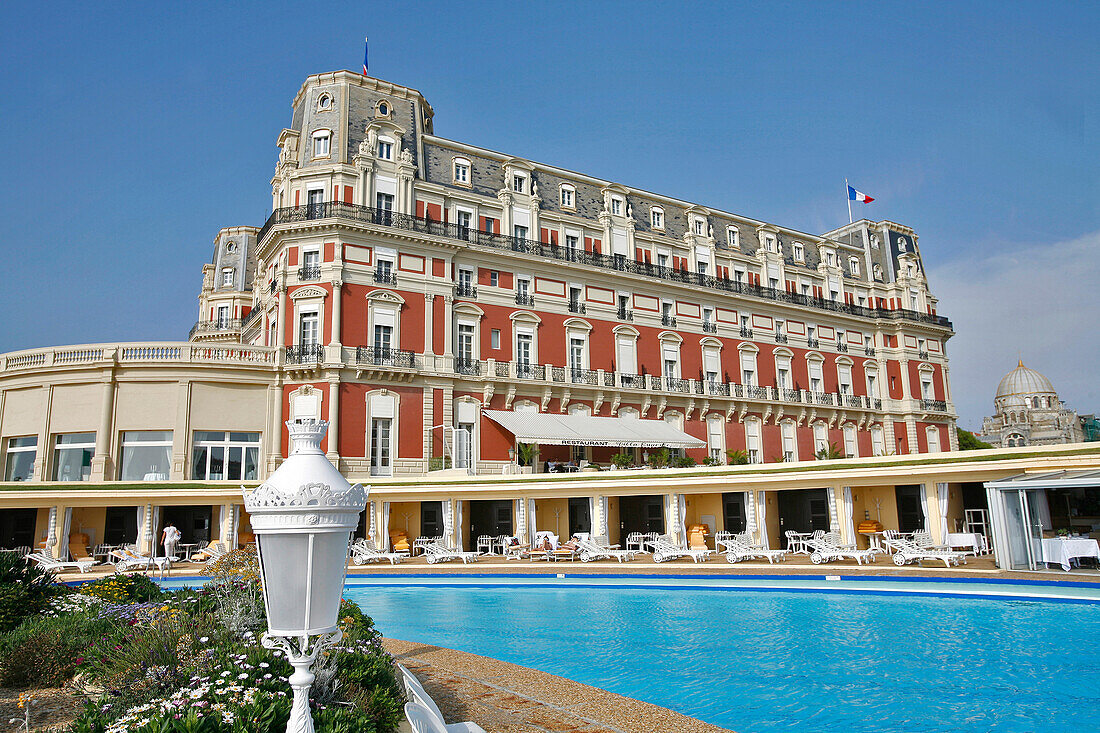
<point x="760" y="661"/>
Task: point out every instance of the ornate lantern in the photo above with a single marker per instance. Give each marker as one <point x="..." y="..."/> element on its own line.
<point x="303" y="516"/>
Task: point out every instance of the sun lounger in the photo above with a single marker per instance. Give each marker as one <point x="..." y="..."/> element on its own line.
<point x="54" y="565"/>
<point x="363" y="552"/>
<point x="739" y="547"/>
<point x="438" y="553"/>
<point x="422" y="712"/>
<point x="906" y="551"/>
<point x="593" y="550"/>
<point x="664" y="549"/>
<point x="210" y="553"/>
<point x="826" y="549"/>
<point x="79" y="553"/>
<point x="125" y="560"/>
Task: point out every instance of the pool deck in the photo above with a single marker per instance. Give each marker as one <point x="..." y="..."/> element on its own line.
<point x="508" y="698"/>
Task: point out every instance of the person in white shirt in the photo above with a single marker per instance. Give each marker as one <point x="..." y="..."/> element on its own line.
<point x="170" y="538"/>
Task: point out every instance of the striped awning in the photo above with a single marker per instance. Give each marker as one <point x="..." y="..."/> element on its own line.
<point x="546" y="429"/>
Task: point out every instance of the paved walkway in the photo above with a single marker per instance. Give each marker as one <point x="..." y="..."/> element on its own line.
<point x="507" y="698"/>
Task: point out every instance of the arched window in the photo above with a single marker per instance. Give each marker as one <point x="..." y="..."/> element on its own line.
<point x="324" y="102"/>
<point x="784" y="379"/>
<point x="844" y="375"/>
<point x="815" y="367"/>
<point x="747" y="354"/>
<point x="322" y="143"/>
<point x="525" y="344"/>
<point x="933" y="437"/>
<point x="790" y="445"/>
<point x="383" y="328"/>
<point x="568" y="196"/>
<point x="878" y="440"/>
<point x="657" y="217"/>
<point x="851" y="445"/>
<point x="670" y="355"/>
<point x="821" y="437"/>
<point x="752" y="440"/>
<point x="712" y="361"/>
<point x="626" y="356"/>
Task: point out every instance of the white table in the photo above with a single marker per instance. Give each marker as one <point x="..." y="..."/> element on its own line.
<point x="1060" y="550"/>
<point x="973" y="541"/>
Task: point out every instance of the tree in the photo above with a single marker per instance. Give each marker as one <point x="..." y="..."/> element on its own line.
<point x="737" y="457"/>
<point x="829" y="453"/>
<point x="969" y="441"/>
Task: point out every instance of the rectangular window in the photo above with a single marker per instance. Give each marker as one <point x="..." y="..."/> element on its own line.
<point x="625" y="354"/>
<point x="739" y="277"/>
<point x="225" y="456"/>
<point x="465" y="278"/>
<point x="309" y="328"/>
<point x="519" y="184"/>
<point x="383" y="204"/>
<point x="799" y="252"/>
<point x="519" y="232"/>
<point x="462" y="172"/>
<point x="227" y="276"/>
<point x="731" y="237"/>
<point x="523" y="286"/>
<point x="321" y="145"/>
<point x="851" y="447"/>
<point x="844" y="374"/>
<point x="576" y="354"/>
<point x="223" y="316"/>
<point x="617" y="207"/>
<point x="878" y="441"/>
<point x="933" y="440"/>
<point x="465" y="341"/>
<point x="567" y="199"/>
<point x="817" y="378"/>
<point x="926" y="390"/>
<point x="821" y="440"/>
<point x="311" y="259"/>
<point x="783" y="373"/>
<point x="146" y="455"/>
<point x="872" y="385"/>
<point x="464" y="219"/>
<point x="662" y="260"/>
<point x="383" y="340"/>
<point x="20" y="459"/>
<point x="752" y="441"/>
<point x="385" y="150"/>
<point x="571" y="243"/>
<point x="658" y="219"/>
<point x="715" y="444"/>
<point x="380" y="446"/>
<point x="72" y="456"/>
<point x="494" y="338"/>
<point x="853" y="265"/>
<point x="789" y="447"/>
<point x="524" y="348"/>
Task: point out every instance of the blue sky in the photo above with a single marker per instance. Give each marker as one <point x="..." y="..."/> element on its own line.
<point x="136" y="131"/>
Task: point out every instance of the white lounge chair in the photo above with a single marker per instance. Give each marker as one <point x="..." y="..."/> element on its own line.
<point x="438" y="553"/>
<point x="125" y="560"/>
<point x="906" y="551"/>
<point x="665" y="549"/>
<point x="422" y="712"/>
<point x="826" y="549"/>
<point x="54" y="565"/>
<point x="592" y="549"/>
<point x="210" y="553"/>
<point x="740" y="547"/>
<point x="363" y="551"/>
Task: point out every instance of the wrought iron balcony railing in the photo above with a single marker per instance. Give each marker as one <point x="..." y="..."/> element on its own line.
<point x="530" y="371"/>
<point x="385" y="277"/>
<point x="780" y="338"/>
<point x="304" y="354"/>
<point x="746" y="333"/>
<point x="625" y="314"/>
<point x="584" y="376"/>
<point x="575" y="306"/>
<point x="469" y="367"/>
<point x="790" y="395"/>
<point x="309" y="272"/>
<point x="272" y="285"/>
<point x="869" y="350"/>
<point x="934" y="405"/>
<point x="710" y="327"/>
<point x="675" y="384"/>
<point x="923" y="355"/>
<point x="841" y="346"/>
<point x="382" y="356"/>
<point x="465" y="290"/>
<point x="632" y="381"/>
<point x="812" y="343"/>
<point x="667" y="320"/>
<point x="525" y="299"/>
<point x="368" y="215"/>
<point x="718" y="389"/>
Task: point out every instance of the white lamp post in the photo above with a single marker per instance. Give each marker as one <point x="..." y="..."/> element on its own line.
<point x="303" y="516"/>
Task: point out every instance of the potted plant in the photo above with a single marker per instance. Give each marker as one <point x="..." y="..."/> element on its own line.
<point x="622" y="460"/>
<point x="526" y="456"/>
<point x="737" y="458"/>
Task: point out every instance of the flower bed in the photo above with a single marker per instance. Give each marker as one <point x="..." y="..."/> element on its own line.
<point x="191" y="661"/>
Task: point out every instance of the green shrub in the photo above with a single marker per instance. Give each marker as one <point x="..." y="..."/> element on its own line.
<point x="123" y="589"/>
<point x="622" y="460"/>
<point x="47" y="651"/>
<point x="683" y="461"/>
<point x="737" y="457"/>
<point x="24" y="590"/>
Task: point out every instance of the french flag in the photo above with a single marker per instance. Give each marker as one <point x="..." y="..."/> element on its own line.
<point x="365" y="49"/>
<point x="854" y="195"/>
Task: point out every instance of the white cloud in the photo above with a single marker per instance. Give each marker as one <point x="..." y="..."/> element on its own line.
<point x="1036" y="303"/>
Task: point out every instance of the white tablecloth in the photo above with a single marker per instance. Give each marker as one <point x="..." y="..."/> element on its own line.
<point x="972" y="541"/>
<point x="1059" y="550"/>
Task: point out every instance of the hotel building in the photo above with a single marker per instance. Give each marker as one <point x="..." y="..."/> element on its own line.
<point x="444" y="306"/>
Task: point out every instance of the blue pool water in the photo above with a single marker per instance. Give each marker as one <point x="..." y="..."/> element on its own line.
<point x="760" y="661"/>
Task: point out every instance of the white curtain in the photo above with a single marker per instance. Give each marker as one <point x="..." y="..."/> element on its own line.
<point x="532" y="525"/>
<point x="924" y="507"/>
<point x="63" y="541"/>
<point x="385" y="527"/>
<point x="140" y="524"/>
<point x="834" y="520"/>
<point x="750" y="514"/>
<point x="521" y="521"/>
<point x="672" y="519"/>
<point x="762" y="513"/>
<point x="458" y="526"/>
<point x="849" y="522"/>
<point x="223" y="525"/>
<point x="152" y="524"/>
<point x="943" y="495"/>
<point x="448" y="523"/>
<point x="681" y="501"/>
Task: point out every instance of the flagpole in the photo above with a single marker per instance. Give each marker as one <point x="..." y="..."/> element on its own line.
<point x="848" y="197"/>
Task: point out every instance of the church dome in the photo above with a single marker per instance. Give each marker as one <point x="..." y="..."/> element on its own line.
<point x="1023" y="381"/>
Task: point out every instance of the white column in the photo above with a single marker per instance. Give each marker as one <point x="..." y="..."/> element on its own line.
<point x="429" y="323"/>
<point x="448" y="325"/>
<point x="180" y="433"/>
<point x="337" y="312"/>
<point x="333" y="453"/>
<point x="101" y="461"/>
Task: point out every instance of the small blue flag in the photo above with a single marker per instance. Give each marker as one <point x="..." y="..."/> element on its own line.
<point x="365" y="48"/>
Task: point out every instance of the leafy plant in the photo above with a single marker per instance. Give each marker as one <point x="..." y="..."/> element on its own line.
<point x="47" y="651"/>
<point x="711" y="461"/>
<point x="525" y="453"/>
<point x="829" y="453"/>
<point x="622" y="460"/>
<point x="683" y="461"/>
<point x="969" y="441"/>
<point x="659" y="459"/>
<point x="737" y="458"/>
<point x="24" y="590"/>
<point x="123" y="589"/>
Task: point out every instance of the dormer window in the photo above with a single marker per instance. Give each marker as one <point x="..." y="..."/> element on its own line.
<point x="912" y="270"/>
<point x="568" y="196"/>
<point x="700" y="227"/>
<point x="322" y="140"/>
<point x="799" y="252"/>
<point x="616" y="206"/>
<point x="657" y="217"/>
<point x="324" y="102"/>
<point x="830" y="258"/>
<point x="385" y="149"/>
<point x="733" y="237"/>
<point x="853" y="266"/>
<point x="383" y="108"/>
<point x="519" y="184"/>
<point x="877" y="272"/>
<point x="227" y="276"/>
<point x="462" y="171"/>
<point x="769" y="244"/>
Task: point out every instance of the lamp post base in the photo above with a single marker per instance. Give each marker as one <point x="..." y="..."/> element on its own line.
<point x="301" y="652"/>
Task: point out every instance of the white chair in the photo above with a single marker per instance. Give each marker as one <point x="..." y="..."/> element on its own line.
<point x="485" y="544"/>
<point x="740" y="547"/>
<point x="438" y="553"/>
<point x="363" y="551"/>
<point x="54" y="565"/>
<point x="424" y="715"/>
